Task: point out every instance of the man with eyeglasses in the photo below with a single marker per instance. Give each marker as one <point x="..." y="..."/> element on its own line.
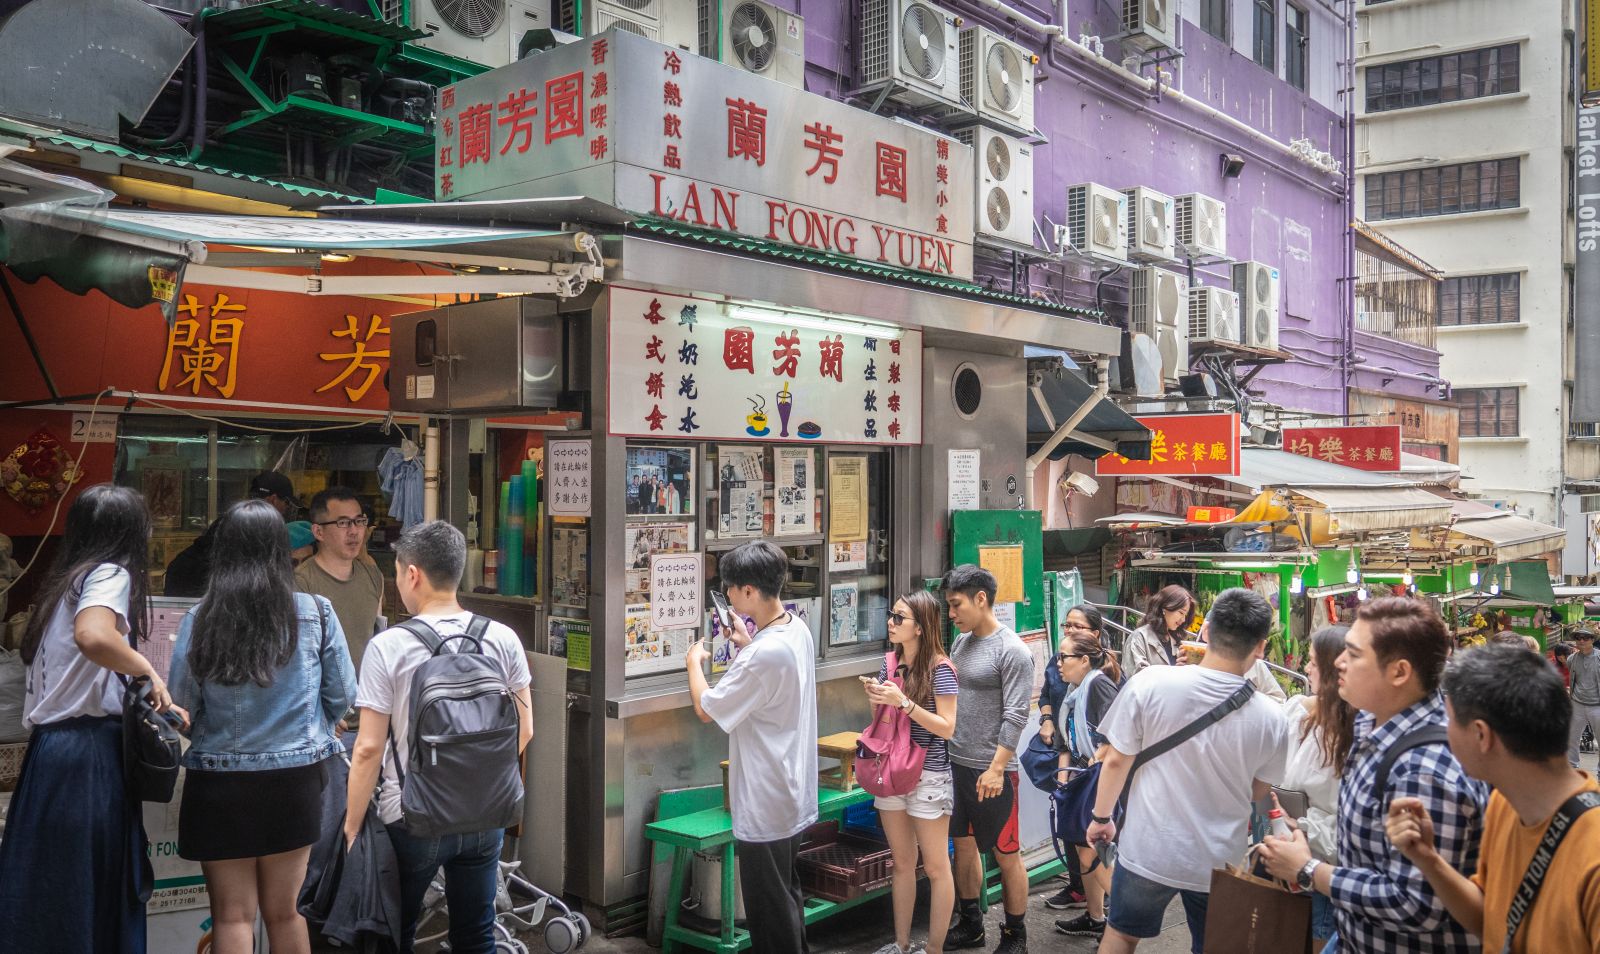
<point x="340" y="569"/>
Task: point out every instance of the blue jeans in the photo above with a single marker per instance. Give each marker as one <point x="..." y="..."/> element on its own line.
<point x="1139" y="904"/>
<point x="1322" y="923"/>
<point x="471" y="873"/>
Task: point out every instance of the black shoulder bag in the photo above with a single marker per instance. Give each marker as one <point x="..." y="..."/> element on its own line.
<point x="150" y="746"/>
<point x="1528" y="892"/>
<point x="1431" y="734"/>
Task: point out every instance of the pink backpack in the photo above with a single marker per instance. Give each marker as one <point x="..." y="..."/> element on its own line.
<point x="887" y="761"/>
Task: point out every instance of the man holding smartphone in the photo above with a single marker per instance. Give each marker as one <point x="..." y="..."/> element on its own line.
<point x="767" y="703"/>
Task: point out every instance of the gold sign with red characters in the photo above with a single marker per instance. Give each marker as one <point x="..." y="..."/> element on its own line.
<point x="1363" y="447"/>
<point x="1211" y="514"/>
<point x="1182" y="445"/>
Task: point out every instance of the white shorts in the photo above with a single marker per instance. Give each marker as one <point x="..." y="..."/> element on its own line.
<point x="933" y="797"/>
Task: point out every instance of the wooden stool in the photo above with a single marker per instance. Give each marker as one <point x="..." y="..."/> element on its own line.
<point x="841" y="746"/>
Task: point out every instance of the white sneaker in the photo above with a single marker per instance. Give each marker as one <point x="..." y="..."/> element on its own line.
<point x="893" y="948"/>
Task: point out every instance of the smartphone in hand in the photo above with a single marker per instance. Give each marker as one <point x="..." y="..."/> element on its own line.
<point x="724" y="612"/>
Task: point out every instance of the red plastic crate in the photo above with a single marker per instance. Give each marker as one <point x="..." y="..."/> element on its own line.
<point x="846" y="868"/>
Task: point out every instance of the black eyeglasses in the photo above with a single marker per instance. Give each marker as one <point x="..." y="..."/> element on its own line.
<point x="898" y="618"/>
<point x="1061" y="656"/>
<point x="345" y="523"/>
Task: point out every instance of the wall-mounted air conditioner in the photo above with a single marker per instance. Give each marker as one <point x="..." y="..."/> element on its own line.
<point x="1097" y="222"/>
<point x="487" y="32"/>
<point x="1150" y="24"/>
<point x="1256" y="284"/>
<point x="1004" y="170"/>
<point x="1202" y="225"/>
<point x="763" y="39"/>
<point x="996" y="81"/>
<point x="1150" y="225"/>
<point x="673" y="22"/>
<point x="913" y="48"/>
<point x="1213" y="316"/>
<point x="1158" y="306"/>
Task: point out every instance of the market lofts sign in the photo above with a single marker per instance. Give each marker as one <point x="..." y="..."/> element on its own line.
<point x="661" y="132"/>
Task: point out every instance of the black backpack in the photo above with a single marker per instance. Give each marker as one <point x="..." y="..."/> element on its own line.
<point x="464" y="772"/>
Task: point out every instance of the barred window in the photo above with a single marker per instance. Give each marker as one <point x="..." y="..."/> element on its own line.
<point x="1444" y="190"/>
<point x="1264" y="45"/>
<point x="1296" y="45"/>
<point x="1487" y="412"/>
<point x="1444" y="79"/>
<point x="1481" y="299"/>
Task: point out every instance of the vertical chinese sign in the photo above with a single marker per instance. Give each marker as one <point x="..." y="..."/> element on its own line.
<point x="1182" y="445"/>
<point x="1364" y="447"/>
<point x="687" y="367"/>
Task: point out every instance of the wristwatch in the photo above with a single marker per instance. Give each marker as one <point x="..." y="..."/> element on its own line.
<point x="906" y="705"/>
<point x="1304" y="878"/>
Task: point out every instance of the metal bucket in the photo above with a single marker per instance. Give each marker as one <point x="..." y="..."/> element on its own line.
<point x="705" y="889"/>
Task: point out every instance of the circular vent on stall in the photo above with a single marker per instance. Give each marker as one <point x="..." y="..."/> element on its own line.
<point x="1263" y="284"/>
<point x="997" y="156"/>
<point x="967" y="389"/>
<point x="922" y="40"/>
<point x="1003" y="76"/>
<point x="997" y="209"/>
<point x="474" y="18"/>
<point x="753" y="31"/>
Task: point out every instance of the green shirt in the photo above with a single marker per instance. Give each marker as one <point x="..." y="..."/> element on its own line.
<point x="356" y="601"/>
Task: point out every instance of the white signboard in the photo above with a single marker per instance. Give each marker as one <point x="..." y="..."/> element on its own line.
<point x="963" y="480"/>
<point x="676" y="580"/>
<point x="687" y="367"/>
<point x="102" y="430"/>
<point x="658" y="132"/>
<point x="567" y="476"/>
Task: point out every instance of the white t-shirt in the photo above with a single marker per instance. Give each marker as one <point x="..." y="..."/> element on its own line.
<point x="62" y="682"/>
<point x="1189" y="809"/>
<point x="1307" y="770"/>
<point x="767" y="703"/>
<point x="392" y="658"/>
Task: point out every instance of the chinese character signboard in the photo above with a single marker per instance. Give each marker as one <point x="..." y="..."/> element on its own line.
<point x="1367" y="447"/>
<point x="694" y="368"/>
<point x="567" y="474"/>
<point x="658" y="132"/>
<point x="676" y="580"/>
<point x="1182" y="445"/>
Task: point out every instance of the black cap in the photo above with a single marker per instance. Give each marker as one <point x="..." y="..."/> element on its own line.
<point x="270" y="483"/>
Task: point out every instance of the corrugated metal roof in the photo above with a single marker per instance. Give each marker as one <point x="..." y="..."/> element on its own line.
<point x="1363" y="509"/>
<point x="122" y="152"/>
<point x="1261" y="468"/>
<point x="677" y="230"/>
<point x="1513" y="537"/>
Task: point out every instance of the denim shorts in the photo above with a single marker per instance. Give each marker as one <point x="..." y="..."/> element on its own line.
<point x="931" y="799"/>
<point x="1139" y="904"/>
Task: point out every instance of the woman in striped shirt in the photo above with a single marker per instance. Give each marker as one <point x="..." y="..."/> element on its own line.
<point x="921" y="818"/>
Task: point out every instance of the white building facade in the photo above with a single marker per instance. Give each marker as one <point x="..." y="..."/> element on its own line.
<point x="1465" y="122"/>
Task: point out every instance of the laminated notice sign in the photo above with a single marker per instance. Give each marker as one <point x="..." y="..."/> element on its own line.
<point x="1006" y="565"/>
<point x="847" y="499"/>
<point x="567" y="478"/>
<point x="676" y="580"/>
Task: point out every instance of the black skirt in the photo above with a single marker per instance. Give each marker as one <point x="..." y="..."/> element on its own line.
<point x="228" y="815"/>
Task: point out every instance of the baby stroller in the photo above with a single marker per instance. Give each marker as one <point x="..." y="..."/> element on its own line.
<point x="1586" y="743"/>
<point x="565" y="930"/>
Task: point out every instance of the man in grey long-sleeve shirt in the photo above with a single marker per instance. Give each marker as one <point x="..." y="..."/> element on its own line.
<point x="1584" y="665"/>
<point x="996" y="674"/>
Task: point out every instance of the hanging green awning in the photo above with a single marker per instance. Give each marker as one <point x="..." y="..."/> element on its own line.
<point x="1526" y="580"/>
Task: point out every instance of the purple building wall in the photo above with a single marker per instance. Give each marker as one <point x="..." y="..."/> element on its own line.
<point x="1281" y="210"/>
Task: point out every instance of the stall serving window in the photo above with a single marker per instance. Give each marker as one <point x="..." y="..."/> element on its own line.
<point x="827" y="507"/>
<point x="190" y="470"/>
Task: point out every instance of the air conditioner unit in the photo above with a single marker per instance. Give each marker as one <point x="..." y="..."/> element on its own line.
<point x="912" y="48"/>
<point x="486" y="32"/>
<point x="1202" y="225"/>
<point x="1150" y="24"/>
<point x="763" y="39"/>
<point x="1097" y="221"/>
<point x="673" y="22"/>
<point x="996" y="81"/>
<point x="1150" y="231"/>
<point x="1213" y="316"/>
<point x="1159" y="307"/>
<point x="1256" y="284"/>
<point x="1004" y="170"/>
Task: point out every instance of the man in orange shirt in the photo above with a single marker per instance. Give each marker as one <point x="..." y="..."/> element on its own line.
<point x="1505" y="708"/>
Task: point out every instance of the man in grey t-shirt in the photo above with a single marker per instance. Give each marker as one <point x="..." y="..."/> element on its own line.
<point x="1584" y="664"/>
<point x="996" y="673"/>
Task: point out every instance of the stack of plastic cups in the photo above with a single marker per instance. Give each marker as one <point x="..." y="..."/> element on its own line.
<point x="530" y="527"/>
<point x="502" y="587"/>
<point x="515" y="517"/>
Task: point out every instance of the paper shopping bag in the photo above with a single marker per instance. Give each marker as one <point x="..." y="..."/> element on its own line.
<point x="1248" y="915"/>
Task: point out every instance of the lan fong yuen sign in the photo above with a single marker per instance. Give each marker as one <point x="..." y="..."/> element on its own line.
<point x="659" y="131"/>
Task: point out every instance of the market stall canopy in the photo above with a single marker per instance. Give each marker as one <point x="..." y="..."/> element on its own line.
<point x="1355" y="501"/>
<point x="1526" y="581"/>
<point x="1054" y="394"/>
<point x="1509" y="536"/>
<point x="499" y="260"/>
<point x="1426" y="470"/>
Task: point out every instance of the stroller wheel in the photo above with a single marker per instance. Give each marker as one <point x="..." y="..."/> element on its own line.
<point x="584" y="930"/>
<point x="503" y="946"/>
<point x="562" y="936"/>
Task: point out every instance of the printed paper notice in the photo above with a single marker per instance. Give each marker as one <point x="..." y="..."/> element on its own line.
<point x="847" y="499"/>
<point x="848" y="556"/>
<point x="567" y="474"/>
<point x="1006" y="613"/>
<point x="740" y="489"/>
<point x="843" y="613"/>
<point x="1006" y="565"/>
<point x="570" y="638"/>
<point x="963" y="481"/>
<point x="648" y="649"/>
<point x="792" y="497"/>
<point x="675" y="583"/>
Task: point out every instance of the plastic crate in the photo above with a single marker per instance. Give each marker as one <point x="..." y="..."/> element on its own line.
<point x="862" y="818"/>
<point x="11" y="754"/>
<point x="846" y="868"/>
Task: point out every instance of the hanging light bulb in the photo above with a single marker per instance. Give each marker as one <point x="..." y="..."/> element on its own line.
<point x="1352" y="573"/>
<point x="1406" y="577"/>
<point x="1494" y="589"/>
<point x="1473" y="577"/>
<point x="1362" y="594"/>
<point x="1297" y="584"/>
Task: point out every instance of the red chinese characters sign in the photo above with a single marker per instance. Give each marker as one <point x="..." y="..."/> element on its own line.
<point x="694" y="368"/>
<point x="1182" y="445"/>
<point x="660" y="133"/>
<point x="1364" y="447"/>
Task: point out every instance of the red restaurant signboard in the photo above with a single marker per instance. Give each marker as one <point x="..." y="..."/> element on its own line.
<point x="1364" y="447"/>
<point x="1182" y="445"/>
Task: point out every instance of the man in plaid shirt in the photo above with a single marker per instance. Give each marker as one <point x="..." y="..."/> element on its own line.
<point x="1390" y="669"/>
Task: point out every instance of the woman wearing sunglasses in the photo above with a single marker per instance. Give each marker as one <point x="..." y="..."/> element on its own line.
<point x="1092" y="673"/>
<point x="922" y="818"/>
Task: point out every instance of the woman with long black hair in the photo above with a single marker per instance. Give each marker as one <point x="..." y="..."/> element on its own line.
<point x="73" y="868"/>
<point x="267" y="676"/>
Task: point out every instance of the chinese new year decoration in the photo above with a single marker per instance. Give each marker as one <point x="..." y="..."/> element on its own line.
<point x="38" y="471"/>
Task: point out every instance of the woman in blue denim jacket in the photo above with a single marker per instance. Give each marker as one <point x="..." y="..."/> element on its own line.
<point x="266" y="675"/>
